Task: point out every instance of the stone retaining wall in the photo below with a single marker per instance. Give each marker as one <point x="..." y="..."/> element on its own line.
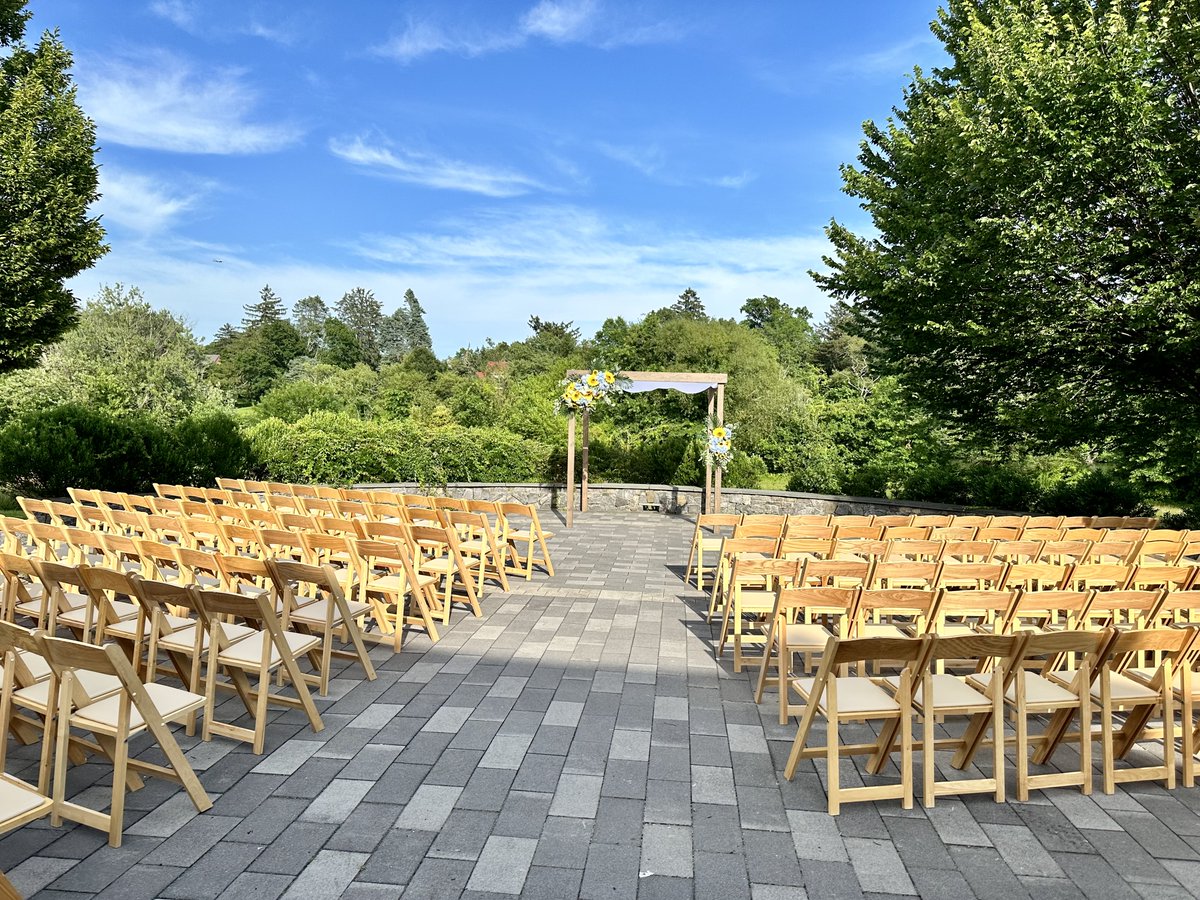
<point x="677" y="500"/>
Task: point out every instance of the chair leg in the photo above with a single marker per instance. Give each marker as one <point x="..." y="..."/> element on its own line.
<point x="761" y="682"/>
<point x="1106" y="733"/>
<point x="116" y="815"/>
<point x="833" y="765"/>
<point x="927" y="747"/>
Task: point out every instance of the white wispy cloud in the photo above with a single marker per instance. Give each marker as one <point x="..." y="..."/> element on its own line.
<point x="896" y="59"/>
<point x="180" y="13"/>
<point x="187" y="15"/>
<point x="557" y="21"/>
<point x="433" y="171"/>
<point x="142" y="203"/>
<point x="162" y="103"/>
<point x="484" y="276"/>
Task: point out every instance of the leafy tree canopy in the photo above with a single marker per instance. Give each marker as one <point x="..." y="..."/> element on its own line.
<point x="48" y="179"/>
<point x="1033" y="271"/>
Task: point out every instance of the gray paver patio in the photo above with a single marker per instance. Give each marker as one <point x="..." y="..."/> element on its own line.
<point x="580" y="740"/>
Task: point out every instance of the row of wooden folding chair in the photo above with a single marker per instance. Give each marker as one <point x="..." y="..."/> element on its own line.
<point x="1014" y="673"/>
<point x="437" y="556"/>
<point x="832" y="599"/>
<point x="518" y="526"/>
<point x="85" y="599"/>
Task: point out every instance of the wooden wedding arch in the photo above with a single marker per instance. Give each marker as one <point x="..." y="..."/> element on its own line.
<point x="712" y="383"/>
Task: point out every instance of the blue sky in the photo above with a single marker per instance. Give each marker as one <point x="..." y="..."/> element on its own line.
<point x="573" y="159"/>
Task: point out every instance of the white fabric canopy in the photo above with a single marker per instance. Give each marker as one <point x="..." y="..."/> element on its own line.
<point x="687" y="387"/>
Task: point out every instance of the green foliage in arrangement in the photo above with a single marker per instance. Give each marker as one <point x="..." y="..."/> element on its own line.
<point x="48" y="181"/>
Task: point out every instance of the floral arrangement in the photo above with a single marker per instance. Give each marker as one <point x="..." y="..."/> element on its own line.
<point x="718" y="443"/>
<point x="585" y="391"/>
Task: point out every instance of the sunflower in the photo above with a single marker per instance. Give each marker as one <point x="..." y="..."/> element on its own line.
<point x="593" y="380"/>
<point x="719" y="432"/>
<point x="609" y="378"/>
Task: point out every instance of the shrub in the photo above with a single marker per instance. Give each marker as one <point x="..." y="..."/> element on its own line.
<point x="43" y="453"/>
<point x="341" y="449"/>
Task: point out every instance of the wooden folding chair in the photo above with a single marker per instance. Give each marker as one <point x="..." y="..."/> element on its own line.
<point x="135" y="709"/>
<point x="802" y="621"/>
<point x="260" y="653"/>
<point x="438" y="553"/>
<point x="906" y="533"/>
<point x="716" y="525"/>
<point x="805" y="548"/>
<point x="967" y="551"/>
<point x="751" y="599"/>
<point x="532" y="533"/>
<point x="851" y="521"/>
<point x="1016" y="552"/>
<point x="858" y="533"/>
<point x="1141" y="693"/>
<point x="954" y="533"/>
<point x="23" y="593"/>
<point x="1033" y="692"/>
<point x="940" y="694"/>
<point x="1017" y="522"/>
<point x="330" y="612"/>
<point x="904" y="574"/>
<point x="965" y="521"/>
<point x="839" y="698"/>
<point x="398" y="594"/>
<point x="896" y="521"/>
<point x="1063" y="552"/>
<point x="805" y="520"/>
<point x="731" y="550"/>
<point x="1036" y="610"/>
<point x="477" y="541"/>
<point x="1042" y="534"/>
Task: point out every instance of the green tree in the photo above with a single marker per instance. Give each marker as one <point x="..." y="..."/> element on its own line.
<point x="789" y="330"/>
<point x="393" y="336"/>
<point x="359" y="311"/>
<point x="123" y="358"/>
<point x="1037" y="227"/>
<point x="309" y="315"/>
<point x="689" y="305"/>
<point x="256" y="361"/>
<point x="268" y="309"/>
<point x="341" y="347"/>
<point x="48" y="179"/>
<point x="416" y="333"/>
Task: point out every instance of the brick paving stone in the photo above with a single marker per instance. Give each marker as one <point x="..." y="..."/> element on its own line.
<point x="577" y="796"/>
<point x="878" y="867"/>
<point x="429" y="807"/>
<point x="256" y="886"/>
<point x="36" y="872"/>
<point x="330" y="873"/>
<point x="503" y="865"/>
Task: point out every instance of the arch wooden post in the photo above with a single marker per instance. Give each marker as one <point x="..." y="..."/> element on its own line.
<point x="583" y="481"/>
<point x="571" y="470"/>
<point x="708" y="466"/>
<point x="720" y="421"/>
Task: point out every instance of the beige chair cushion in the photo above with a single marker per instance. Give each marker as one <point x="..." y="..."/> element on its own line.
<point x="883" y="630"/>
<point x="18" y="799"/>
<point x="184" y="640"/>
<point x="38" y="667"/>
<point x="1145" y="675"/>
<point x="804" y="637"/>
<point x="94" y="684"/>
<point x="247" y="653"/>
<point x="125" y="612"/>
<point x="1038" y="690"/>
<point x="314" y="613"/>
<point x="102" y="715"/>
<point x="949" y="692"/>
<point x="1126" y="690"/>
<point x="445" y="564"/>
<point x="855" y="695"/>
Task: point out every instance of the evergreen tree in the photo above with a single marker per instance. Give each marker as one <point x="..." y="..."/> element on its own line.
<point x="359" y="311"/>
<point x="269" y="308"/>
<point x="416" y="332"/>
<point x="48" y="179"/>
<point x="225" y="336"/>
<point x="689" y="305"/>
<point x="309" y="315"/>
